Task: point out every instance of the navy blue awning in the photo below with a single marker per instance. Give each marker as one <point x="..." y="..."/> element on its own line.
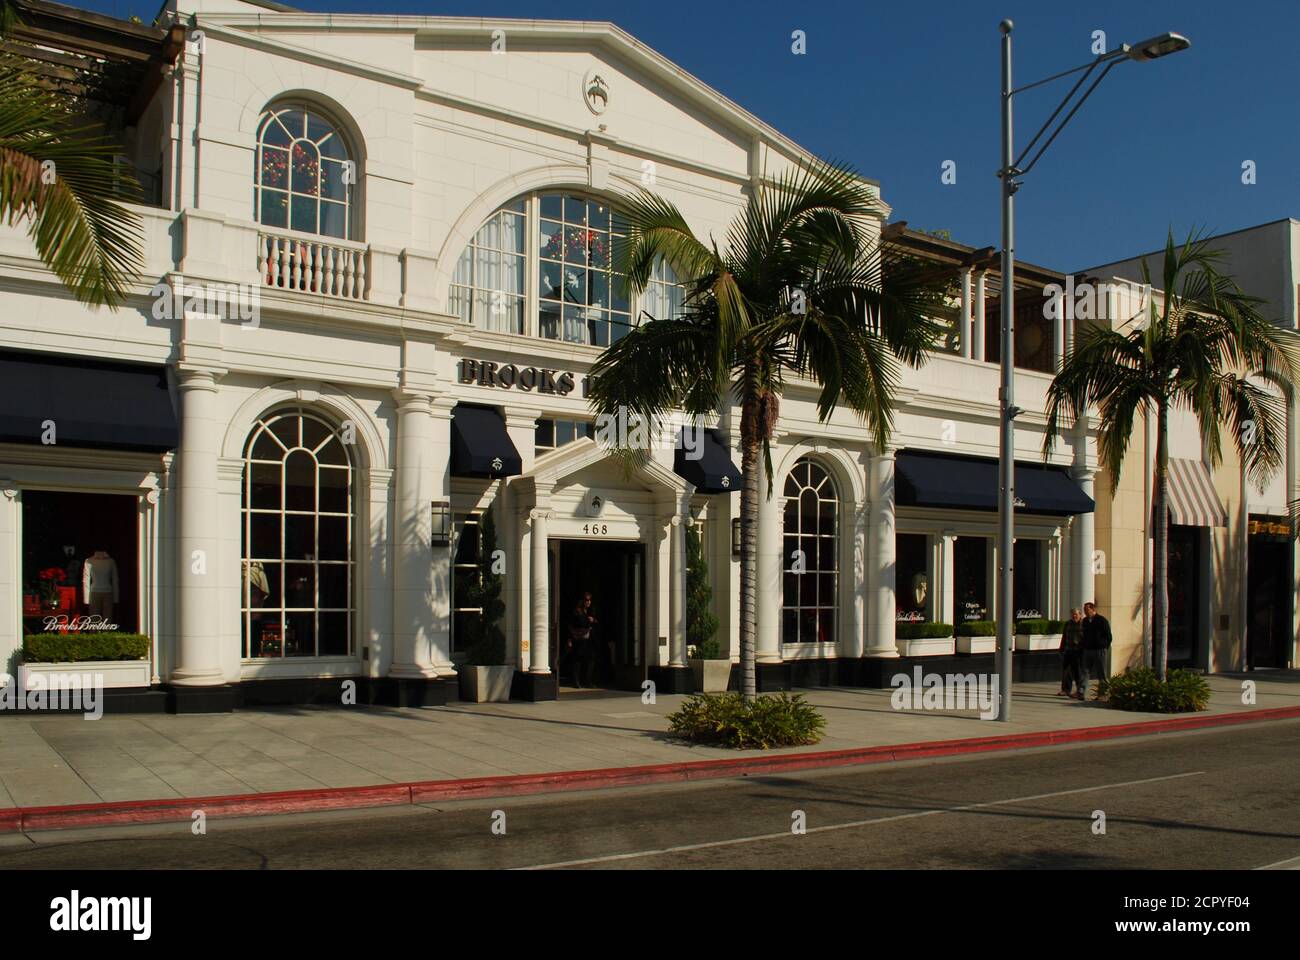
<point x="480" y="446"/>
<point x="924" y="479"/>
<point x="89" y="403"/>
<point x="701" y="458"/>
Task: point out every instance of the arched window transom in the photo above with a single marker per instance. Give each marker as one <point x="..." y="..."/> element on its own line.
<point x="297" y="531"/>
<point x="303" y="174"/>
<point x="811" y="558"/>
<point x="544" y="265"/>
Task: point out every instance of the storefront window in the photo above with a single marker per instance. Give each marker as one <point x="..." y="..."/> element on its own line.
<point x="80" y="566"/>
<point x="970" y="573"/>
<point x="297" y="539"/>
<point x="912" y="567"/>
<point x="1027" y="590"/>
<point x="811" y="555"/>
<point x="559" y="433"/>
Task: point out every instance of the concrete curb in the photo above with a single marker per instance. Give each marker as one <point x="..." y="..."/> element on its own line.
<point x="22" y="819"/>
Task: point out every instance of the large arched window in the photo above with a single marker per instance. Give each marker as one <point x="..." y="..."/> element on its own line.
<point x="297" y="539"/>
<point x="303" y="174"/>
<point x="544" y="264"/>
<point x="811" y="558"/>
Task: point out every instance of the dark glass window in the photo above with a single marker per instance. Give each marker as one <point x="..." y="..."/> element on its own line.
<point x="912" y="572"/>
<point x="810" y="558"/>
<point x="970" y="575"/>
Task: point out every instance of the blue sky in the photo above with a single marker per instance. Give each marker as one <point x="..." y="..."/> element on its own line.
<point x="896" y="89"/>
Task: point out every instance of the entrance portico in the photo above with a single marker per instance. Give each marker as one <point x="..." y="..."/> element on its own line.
<point x="580" y="492"/>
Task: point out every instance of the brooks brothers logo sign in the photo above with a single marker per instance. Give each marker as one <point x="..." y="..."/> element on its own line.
<point x="510" y="377"/>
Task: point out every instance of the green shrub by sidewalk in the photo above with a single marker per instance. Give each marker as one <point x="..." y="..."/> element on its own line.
<point x="1039" y="626"/>
<point x="74" y="647"/>
<point x="929" y="629"/>
<point x="728" y="720"/>
<point x="1139" y="690"/>
<point x="977" y="628"/>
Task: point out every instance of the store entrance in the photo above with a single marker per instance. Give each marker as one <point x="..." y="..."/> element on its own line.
<point x="1268" y="599"/>
<point x="613" y="573"/>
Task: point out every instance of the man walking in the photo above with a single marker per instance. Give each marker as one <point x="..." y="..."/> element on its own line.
<point x="1096" y="641"/>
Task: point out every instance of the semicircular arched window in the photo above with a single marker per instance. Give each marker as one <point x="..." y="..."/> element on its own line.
<point x="303" y="174"/>
<point x="297" y="529"/>
<point x="544" y="265"/>
<point x="811" y="555"/>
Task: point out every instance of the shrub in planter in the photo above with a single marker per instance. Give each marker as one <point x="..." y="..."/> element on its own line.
<point x="922" y="631"/>
<point x="729" y="720"/>
<point x="79" y="647"/>
<point x="977" y="628"/>
<point x="1138" y="689"/>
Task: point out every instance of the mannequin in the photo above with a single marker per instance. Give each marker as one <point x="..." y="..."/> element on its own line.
<point x="100" y="585"/>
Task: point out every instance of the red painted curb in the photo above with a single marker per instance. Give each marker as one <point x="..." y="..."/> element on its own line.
<point x="19" y="819"/>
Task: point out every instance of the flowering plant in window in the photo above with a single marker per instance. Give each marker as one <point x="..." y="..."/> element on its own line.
<point x="305" y="164"/>
<point x="582" y="244"/>
<point x="50" y="579"/>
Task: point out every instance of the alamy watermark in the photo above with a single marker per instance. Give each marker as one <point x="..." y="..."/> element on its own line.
<point x="241" y="302"/>
<point x="62" y="692"/>
<point x="945" y="691"/>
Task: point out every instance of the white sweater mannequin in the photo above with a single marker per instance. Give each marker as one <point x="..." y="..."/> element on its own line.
<point x="99" y="575"/>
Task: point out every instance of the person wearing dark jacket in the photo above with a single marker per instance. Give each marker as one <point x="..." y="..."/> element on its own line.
<point x="1072" y="684"/>
<point x="1096" y="641"/>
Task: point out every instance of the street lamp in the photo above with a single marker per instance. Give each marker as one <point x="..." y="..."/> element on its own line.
<point x="1150" y="49"/>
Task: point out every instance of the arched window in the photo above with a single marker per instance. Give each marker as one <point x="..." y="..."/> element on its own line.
<point x="303" y="174"/>
<point x="664" y="296"/>
<point x="297" y="539"/>
<point x="570" y="244"/>
<point x="811" y="559"/>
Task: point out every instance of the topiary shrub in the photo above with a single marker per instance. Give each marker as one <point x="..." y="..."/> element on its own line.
<point x="701" y="624"/>
<point x="977" y="628"/>
<point x="729" y="720"/>
<point x="922" y="631"/>
<point x="78" y="647"/>
<point x="485" y="641"/>
<point x="1138" y="689"/>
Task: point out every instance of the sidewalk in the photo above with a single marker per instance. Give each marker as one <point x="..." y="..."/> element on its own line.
<point x="60" y="760"/>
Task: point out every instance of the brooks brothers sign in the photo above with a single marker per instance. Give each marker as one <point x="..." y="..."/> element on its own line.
<point x="510" y="377"/>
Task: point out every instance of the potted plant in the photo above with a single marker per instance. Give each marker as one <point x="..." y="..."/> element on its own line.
<point x="484" y="675"/>
<point x="977" y="636"/>
<point x="1039" y="634"/>
<point x="709" y="664"/>
<point x="923" y="638"/>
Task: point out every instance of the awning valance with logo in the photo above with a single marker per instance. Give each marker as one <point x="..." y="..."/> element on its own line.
<point x="927" y="479"/>
<point x="701" y="458"/>
<point x="480" y="445"/>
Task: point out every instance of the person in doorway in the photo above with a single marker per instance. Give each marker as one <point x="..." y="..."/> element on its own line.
<point x="581" y="626"/>
<point x="1096" y="641"/>
<point x="1072" y="684"/>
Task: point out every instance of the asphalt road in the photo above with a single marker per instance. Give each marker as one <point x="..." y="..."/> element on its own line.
<point x="1216" y="799"/>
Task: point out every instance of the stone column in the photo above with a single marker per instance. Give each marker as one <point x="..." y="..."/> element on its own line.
<point x="977" y="347"/>
<point x="881" y="566"/>
<point x="413" y="587"/>
<point x="677" y="590"/>
<point x="945" y="600"/>
<point x="198" y="647"/>
<point x="1058" y="332"/>
<point x="964" y="337"/>
<point x="539" y="577"/>
<point x="1082" y="544"/>
<point x="769" y="563"/>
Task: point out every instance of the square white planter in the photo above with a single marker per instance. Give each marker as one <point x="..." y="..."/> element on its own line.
<point x="485" y="684"/>
<point x="977" y="644"/>
<point x="711" y="676"/>
<point x="1038" y="641"/>
<point x="114" y="673"/>
<point x="925" y="647"/>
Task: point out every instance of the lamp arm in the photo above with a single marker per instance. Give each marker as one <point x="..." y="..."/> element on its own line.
<point x="1055" y="113"/>
<point x="1073" y="111"/>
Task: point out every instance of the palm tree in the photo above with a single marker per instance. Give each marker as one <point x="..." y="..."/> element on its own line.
<point x="800" y="290"/>
<point x="58" y="173"/>
<point x="1197" y="349"/>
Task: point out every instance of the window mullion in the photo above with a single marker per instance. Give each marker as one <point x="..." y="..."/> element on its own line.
<point x="532" y="265"/>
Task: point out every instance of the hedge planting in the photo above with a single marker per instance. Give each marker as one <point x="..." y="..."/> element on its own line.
<point x="76" y="647"/>
<point x="977" y="628"/>
<point x="922" y="630"/>
<point x="1138" y="690"/>
<point x="1039" y="627"/>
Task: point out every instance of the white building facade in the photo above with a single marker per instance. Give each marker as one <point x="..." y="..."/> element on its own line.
<point x="423" y="212"/>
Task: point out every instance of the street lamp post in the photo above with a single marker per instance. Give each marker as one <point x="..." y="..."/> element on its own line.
<point x="1008" y="172"/>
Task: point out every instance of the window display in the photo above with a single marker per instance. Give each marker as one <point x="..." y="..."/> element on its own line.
<point x="1027" y="584"/>
<point x="79" y="561"/>
<point x="970" y="571"/>
<point x="912" y="566"/>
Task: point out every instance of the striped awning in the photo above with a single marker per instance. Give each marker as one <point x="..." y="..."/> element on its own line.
<point x="1192" y="500"/>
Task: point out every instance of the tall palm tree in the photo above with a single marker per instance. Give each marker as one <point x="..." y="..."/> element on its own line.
<point x="801" y="290"/>
<point x="60" y="175"/>
<point x="1203" y="347"/>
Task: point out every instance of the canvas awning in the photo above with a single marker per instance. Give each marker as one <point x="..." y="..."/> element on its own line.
<point x="702" y="459"/>
<point x="480" y="445"/>
<point x="1193" y="501"/>
<point x="928" y="479"/>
